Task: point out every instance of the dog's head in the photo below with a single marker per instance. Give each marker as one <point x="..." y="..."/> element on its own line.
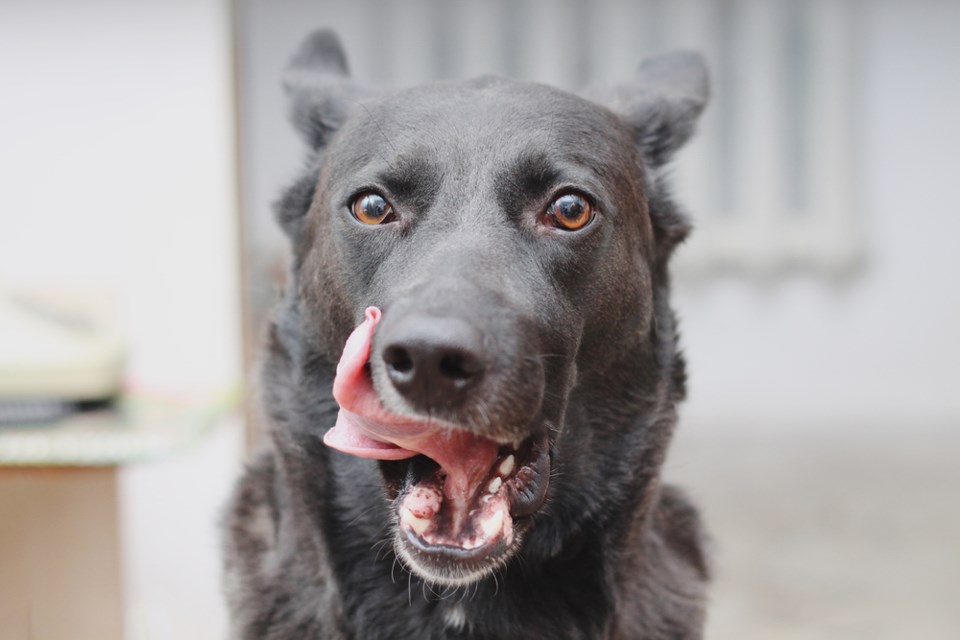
<point x="518" y="371"/>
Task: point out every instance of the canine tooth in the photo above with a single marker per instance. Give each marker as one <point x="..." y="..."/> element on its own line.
<point x="419" y="525"/>
<point x="492" y="525"/>
<point x="494" y="485"/>
<point x="507" y="465"/>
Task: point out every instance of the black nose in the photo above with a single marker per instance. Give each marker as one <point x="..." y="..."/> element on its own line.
<point x="433" y="362"/>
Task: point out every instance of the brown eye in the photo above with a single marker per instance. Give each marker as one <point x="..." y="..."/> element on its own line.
<point x="371" y="208"/>
<point x="569" y="212"/>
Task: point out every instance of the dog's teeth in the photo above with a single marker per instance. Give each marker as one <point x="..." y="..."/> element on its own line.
<point x="494" y="485"/>
<point x="492" y="525"/>
<point x="419" y="525"/>
<point x="507" y="465"/>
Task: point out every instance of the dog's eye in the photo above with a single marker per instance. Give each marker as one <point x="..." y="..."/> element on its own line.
<point x="569" y="212"/>
<point x="371" y="208"/>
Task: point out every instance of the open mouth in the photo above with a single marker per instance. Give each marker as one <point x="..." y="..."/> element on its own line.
<point x="460" y="537"/>
<point x="462" y="501"/>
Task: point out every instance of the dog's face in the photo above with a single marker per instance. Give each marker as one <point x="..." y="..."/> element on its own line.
<point x="510" y="236"/>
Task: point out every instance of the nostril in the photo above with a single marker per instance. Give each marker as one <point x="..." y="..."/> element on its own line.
<point x="398" y="360"/>
<point x="459" y="367"/>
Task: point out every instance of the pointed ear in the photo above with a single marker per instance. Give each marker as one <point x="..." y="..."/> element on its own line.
<point x="663" y="101"/>
<point x="317" y="82"/>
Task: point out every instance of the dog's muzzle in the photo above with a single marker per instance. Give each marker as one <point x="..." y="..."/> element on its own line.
<point x="461" y="492"/>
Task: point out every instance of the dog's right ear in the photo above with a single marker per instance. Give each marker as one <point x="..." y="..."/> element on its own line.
<point x="317" y="82"/>
<point x="318" y="85"/>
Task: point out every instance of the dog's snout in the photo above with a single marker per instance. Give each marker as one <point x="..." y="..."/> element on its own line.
<point x="433" y="362"/>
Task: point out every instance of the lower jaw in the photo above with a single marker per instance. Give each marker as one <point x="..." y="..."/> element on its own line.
<point x="460" y="544"/>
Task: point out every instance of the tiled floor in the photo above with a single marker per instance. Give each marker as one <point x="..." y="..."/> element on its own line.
<point x="851" y="536"/>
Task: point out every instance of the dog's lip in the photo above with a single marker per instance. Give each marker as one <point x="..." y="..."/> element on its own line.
<point x="451" y="551"/>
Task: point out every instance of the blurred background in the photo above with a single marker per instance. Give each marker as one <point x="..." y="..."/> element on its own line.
<point x="141" y="146"/>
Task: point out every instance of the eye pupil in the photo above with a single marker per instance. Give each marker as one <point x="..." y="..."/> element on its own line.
<point x="371" y="208"/>
<point x="570" y="207"/>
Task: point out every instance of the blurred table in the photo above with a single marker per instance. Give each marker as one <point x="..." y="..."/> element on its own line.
<point x="60" y="567"/>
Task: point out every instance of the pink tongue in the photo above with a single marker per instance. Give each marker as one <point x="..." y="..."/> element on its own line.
<point x="365" y="428"/>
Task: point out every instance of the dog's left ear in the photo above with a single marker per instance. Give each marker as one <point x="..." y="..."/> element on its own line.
<point x="663" y="101"/>
<point x="318" y="84"/>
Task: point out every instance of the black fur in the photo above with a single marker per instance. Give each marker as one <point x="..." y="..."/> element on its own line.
<point x="581" y="323"/>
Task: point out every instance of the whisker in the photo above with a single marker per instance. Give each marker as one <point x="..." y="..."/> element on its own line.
<point x="543" y="356"/>
<point x="409" y="587"/>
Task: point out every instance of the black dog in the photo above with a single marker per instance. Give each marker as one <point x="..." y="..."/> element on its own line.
<point x="518" y="390"/>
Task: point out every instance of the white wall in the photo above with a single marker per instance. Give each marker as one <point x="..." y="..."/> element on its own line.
<point x="881" y="349"/>
<point x="116" y="160"/>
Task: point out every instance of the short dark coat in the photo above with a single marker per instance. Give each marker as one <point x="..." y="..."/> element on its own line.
<point x="614" y="553"/>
